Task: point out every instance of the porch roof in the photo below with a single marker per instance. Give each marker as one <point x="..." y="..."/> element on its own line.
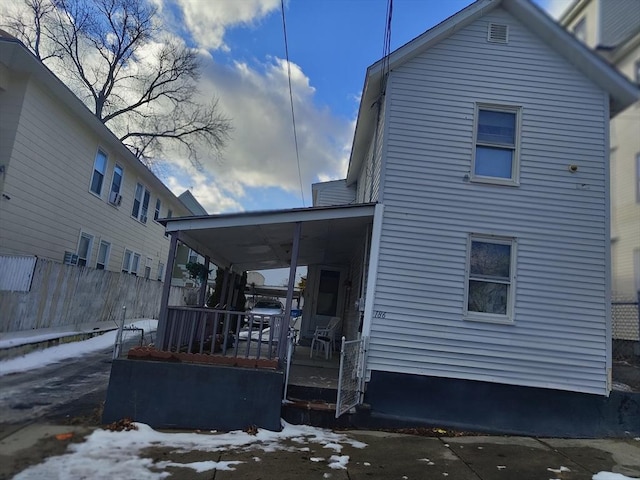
<point x="263" y="240"/>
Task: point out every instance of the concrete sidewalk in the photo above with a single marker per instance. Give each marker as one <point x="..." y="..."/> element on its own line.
<point x="386" y="456"/>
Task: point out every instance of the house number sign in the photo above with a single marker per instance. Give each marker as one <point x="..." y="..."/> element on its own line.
<point x="379" y="314"/>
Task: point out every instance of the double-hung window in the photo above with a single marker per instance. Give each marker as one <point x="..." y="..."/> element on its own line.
<point x="103" y="255"/>
<point x="156" y="214"/>
<point x="497" y="144"/>
<point x="490" y="278"/>
<point x="141" y="203"/>
<point x="130" y="262"/>
<point x="85" y="244"/>
<point x="99" y="169"/>
<point x="116" y="185"/>
<point x="169" y="215"/>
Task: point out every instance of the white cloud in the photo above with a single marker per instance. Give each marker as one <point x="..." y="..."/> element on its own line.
<point x="207" y="21"/>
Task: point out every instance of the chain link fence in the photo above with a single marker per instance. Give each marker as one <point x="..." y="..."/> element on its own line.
<point x="625" y="320"/>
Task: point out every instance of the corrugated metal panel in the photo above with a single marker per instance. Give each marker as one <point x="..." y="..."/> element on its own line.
<point x="619" y="20"/>
<point x="16" y="272"/>
<point x="559" y="338"/>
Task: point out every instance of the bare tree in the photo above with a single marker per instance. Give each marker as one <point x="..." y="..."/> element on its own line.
<point x="136" y="79"/>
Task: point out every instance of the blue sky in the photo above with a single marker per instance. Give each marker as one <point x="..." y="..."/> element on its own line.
<point x="331" y="43"/>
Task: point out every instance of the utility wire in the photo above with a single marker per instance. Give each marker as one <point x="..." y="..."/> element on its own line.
<point x="293" y="116"/>
<point x="386" y="49"/>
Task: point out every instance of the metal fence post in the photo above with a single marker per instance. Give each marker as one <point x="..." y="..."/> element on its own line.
<point x="118" y="345"/>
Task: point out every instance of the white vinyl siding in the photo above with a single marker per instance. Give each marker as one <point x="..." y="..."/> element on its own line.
<point x="370" y="178"/>
<point x="332" y="193"/>
<point x="48" y="205"/>
<point x="559" y="334"/>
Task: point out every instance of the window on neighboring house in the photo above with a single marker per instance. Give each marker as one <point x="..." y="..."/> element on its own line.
<point x="103" y="255"/>
<point x="130" y="262"/>
<point x="99" y="168"/>
<point x="156" y="214"/>
<point x="84" y="248"/>
<point x="495" y="158"/>
<point x="116" y="185"/>
<point x="160" y="271"/>
<point x="141" y="203"/>
<point x="169" y="215"/>
<point x="638" y="72"/>
<point x="490" y="278"/>
<point x="147" y="268"/>
<point x="580" y="29"/>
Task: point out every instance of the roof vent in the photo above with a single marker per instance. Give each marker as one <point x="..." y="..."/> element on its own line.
<point x="498" y="33"/>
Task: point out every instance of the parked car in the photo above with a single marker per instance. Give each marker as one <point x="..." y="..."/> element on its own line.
<point x="264" y="309"/>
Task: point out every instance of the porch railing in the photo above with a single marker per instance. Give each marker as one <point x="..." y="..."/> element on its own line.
<point x="222" y="332"/>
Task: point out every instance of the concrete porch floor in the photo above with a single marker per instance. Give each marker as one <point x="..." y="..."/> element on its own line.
<point x="314" y="372"/>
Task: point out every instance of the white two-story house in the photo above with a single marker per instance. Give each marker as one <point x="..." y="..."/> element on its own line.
<point x="69" y="190"/>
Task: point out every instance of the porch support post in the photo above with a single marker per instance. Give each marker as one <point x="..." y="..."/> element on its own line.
<point x="284" y="331"/>
<point x="230" y="289"/>
<point x="166" y="288"/>
<point x="223" y="290"/>
<point x="202" y="296"/>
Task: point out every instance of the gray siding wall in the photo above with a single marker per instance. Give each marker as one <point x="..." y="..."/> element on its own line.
<point x="559" y="336"/>
<point x="370" y="178"/>
<point x="333" y="193"/>
<point x="619" y="20"/>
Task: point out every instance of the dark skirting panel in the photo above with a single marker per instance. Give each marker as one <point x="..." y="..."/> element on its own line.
<point x="192" y="396"/>
<point x="400" y="400"/>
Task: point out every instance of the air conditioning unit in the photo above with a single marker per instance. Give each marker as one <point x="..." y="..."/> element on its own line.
<point x="70" y="258"/>
<point x="115" y="198"/>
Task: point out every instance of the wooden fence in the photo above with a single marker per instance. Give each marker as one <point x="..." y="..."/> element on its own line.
<point x="66" y="295"/>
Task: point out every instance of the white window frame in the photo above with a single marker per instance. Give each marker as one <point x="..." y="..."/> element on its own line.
<point x="106" y="256"/>
<point x="169" y="215"/>
<point x="160" y="277"/>
<point x="132" y="263"/>
<point x="114" y="195"/>
<point x="156" y="213"/>
<point x="96" y="171"/>
<point x="86" y="260"/>
<point x="507" y="318"/>
<point x="147" y="268"/>
<point x="515" y="162"/>
<point x="140" y="213"/>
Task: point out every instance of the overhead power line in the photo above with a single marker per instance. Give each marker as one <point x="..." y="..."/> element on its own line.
<point x="293" y="115"/>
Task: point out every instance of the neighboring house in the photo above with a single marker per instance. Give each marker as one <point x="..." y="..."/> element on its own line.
<point x="468" y="246"/>
<point x="70" y="191"/>
<point x="612" y="29"/>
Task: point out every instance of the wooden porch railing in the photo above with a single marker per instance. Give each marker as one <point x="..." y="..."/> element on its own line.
<point x="221" y="332"/>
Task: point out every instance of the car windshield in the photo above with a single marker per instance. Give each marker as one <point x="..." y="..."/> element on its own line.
<point x="275" y="305"/>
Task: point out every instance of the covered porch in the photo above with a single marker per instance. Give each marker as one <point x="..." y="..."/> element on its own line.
<point x="258" y="352"/>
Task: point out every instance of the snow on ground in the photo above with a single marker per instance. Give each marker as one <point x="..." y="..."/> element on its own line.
<point x="611" y="476"/>
<point x="58" y="353"/>
<point x="107" y="455"/>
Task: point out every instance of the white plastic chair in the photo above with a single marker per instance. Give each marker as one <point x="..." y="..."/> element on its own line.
<point x="324" y="338"/>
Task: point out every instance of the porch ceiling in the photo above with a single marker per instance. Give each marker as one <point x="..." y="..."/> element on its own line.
<point x="263" y="240"/>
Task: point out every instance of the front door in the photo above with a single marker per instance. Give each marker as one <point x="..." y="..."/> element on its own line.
<point x="328" y="300"/>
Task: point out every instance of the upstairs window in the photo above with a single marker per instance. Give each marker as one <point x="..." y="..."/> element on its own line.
<point x="156" y="214"/>
<point x="141" y="203"/>
<point x="99" y="168"/>
<point x="580" y="29"/>
<point x="496" y="153"/>
<point x="116" y="184"/>
<point x="85" y="245"/>
<point x="169" y="215"/>
<point x="490" y="278"/>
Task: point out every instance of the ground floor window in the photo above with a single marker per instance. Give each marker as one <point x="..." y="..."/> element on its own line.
<point x="490" y="278"/>
<point x="84" y="249"/>
<point x="103" y="255"/>
<point x="130" y="262"/>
